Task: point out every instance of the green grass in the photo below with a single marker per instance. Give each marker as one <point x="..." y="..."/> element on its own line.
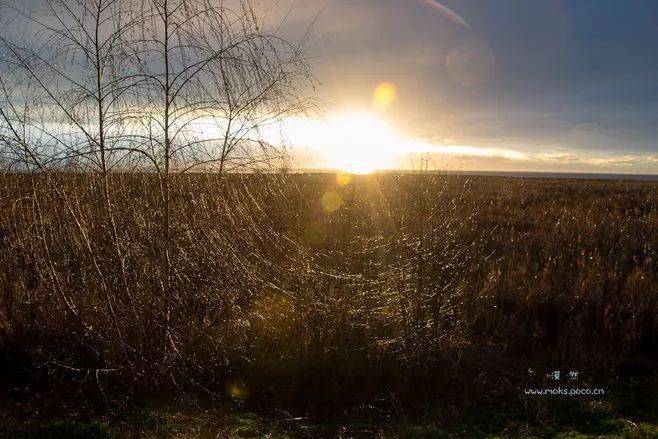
<point x="629" y="412"/>
<point x="55" y="429"/>
<point x="249" y="425"/>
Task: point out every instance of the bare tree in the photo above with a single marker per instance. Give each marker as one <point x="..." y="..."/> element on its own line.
<point x="168" y="86"/>
<point x="211" y="81"/>
<point x="74" y="68"/>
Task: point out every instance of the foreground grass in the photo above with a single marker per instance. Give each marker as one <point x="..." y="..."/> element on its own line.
<point x="631" y="412"/>
<point x="593" y="421"/>
<point x="314" y="297"/>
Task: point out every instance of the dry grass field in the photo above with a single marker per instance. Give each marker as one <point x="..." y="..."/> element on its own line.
<point x="382" y="296"/>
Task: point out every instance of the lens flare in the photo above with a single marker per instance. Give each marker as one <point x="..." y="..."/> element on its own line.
<point x="470" y="62"/>
<point x="237" y="389"/>
<point x="331" y="201"/>
<point x="448" y="13"/>
<point x="343" y="179"/>
<point x="384" y="95"/>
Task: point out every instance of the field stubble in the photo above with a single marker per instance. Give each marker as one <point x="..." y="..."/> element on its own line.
<point x="383" y="286"/>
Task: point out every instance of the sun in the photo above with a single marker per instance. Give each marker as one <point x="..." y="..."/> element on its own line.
<point x="363" y="143"/>
<point x="352" y="141"/>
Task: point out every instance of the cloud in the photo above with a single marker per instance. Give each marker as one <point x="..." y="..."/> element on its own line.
<point x="469" y="151"/>
<point x="620" y="160"/>
<point x="346" y="140"/>
<point x="625" y="160"/>
<point x="560" y="157"/>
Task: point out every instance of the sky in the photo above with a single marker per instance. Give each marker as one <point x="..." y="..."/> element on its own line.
<point x="491" y="85"/>
<point x="509" y="85"/>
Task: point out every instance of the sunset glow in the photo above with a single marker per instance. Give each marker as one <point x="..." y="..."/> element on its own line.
<point x="354" y="142"/>
<point x="361" y="142"/>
